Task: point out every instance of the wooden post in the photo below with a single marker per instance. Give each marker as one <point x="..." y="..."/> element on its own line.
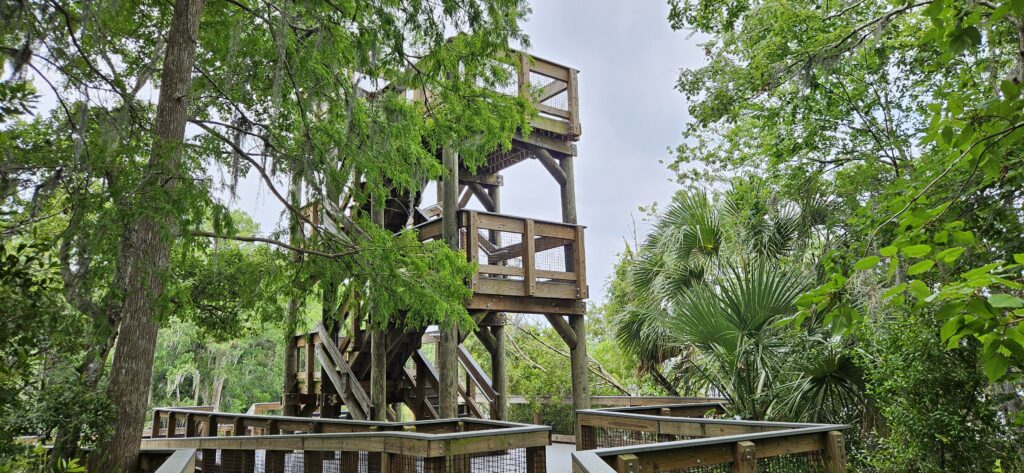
<point x="499" y="373"/>
<point x="190" y="425"/>
<point x="172" y="424"/>
<point x="578" y="365"/>
<point x="447" y="364"/>
<point x="744" y="458"/>
<point x="835" y="452"/>
<point x="499" y="368"/>
<point x="378" y="346"/>
<point x="627" y="463"/>
<point x="536" y="460"/>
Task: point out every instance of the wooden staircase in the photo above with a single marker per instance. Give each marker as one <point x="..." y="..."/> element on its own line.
<point x="412" y="378"/>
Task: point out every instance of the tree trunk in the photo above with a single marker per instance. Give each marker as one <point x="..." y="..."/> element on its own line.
<point x="289" y="403"/>
<point x="378" y="344"/>
<point x="145" y="250"/>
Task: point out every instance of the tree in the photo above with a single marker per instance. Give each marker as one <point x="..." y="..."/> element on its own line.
<point x="316" y="91"/>
<point x="906" y="118"/>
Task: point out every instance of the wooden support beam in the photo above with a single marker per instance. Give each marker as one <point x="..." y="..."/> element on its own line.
<point x="559" y="146"/>
<point x="550" y="163"/>
<point x="446" y="357"/>
<point x="578" y="365"/>
<point x="529" y="280"/>
<point x="481" y="195"/>
<point x="563" y="329"/>
<point x="488" y="180"/>
<point x="466" y="195"/>
<point x="499" y="373"/>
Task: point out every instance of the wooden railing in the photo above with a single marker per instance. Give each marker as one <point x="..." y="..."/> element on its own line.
<point x="269" y="443"/>
<point x="518" y="256"/>
<point x="624" y="440"/>
<point x="551" y="88"/>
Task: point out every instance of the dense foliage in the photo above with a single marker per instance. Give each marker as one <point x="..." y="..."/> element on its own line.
<point x="896" y="128"/>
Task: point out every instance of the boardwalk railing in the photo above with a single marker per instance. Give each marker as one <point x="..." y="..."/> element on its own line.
<point x="632" y="440"/>
<point x="518" y="256"/>
<point x="276" y="444"/>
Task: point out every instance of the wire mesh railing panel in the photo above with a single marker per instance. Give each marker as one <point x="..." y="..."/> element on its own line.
<point x="715" y="468"/>
<point x="561" y="417"/>
<point x="554" y="259"/>
<point x="608" y="437"/>
<point x="280" y="461"/>
<point x="807" y="462"/>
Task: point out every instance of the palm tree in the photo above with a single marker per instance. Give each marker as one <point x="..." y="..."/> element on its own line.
<point x="704" y="292"/>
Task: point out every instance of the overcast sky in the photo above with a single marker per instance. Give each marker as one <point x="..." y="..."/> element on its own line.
<point x="628" y="60"/>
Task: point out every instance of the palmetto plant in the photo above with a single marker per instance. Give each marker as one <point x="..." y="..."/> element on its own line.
<point x="705" y="290"/>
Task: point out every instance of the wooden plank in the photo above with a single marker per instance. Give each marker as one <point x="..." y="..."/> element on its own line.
<point x="357" y="389"/>
<point x="580" y="264"/>
<point x="559" y="275"/>
<point x="312" y="461"/>
<point x="500" y="223"/>
<point x="575" y="130"/>
<point x="550" y="90"/>
<point x="680" y="459"/>
<point x="547" y="109"/>
<point x="481" y="179"/>
<point x="274" y="461"/>
<point x="552" y="125"/>
<point x="529" y="281"/>
<point x="501" y="270"/>
<point x="617" y="422"/>
<point x="549" y="69"/>
<point x="556" y="145"/>
<point x="517" y="250"/>
<point x="556" y="230"/>
<point x="525" y="305"/>
<point x="477" y="373"/>
<point x="473" y="246"/>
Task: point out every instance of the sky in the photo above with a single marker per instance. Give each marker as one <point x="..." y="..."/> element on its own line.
<point x="629" y="60"/>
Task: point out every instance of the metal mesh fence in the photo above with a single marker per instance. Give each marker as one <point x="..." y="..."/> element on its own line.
<point x="807" y="462"/>
<point x="559" y="101"/>
<point x="278" y="461"/>
<point x="561" y="417"/>
<point x="608" y="437"/>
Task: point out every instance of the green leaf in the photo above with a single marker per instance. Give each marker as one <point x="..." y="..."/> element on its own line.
<point x="866" y="263"/>
<point x="950" y="255"/>
<point x="888" y="251"/>
<point x="951" y="327"/>
<point x="919" y="289"/>
<point x="920" y="267"/>
<point x="1005" y="301"/>
<point x="1010" y="89"/>
<point x="892" y="291"/>
<point x="1019" y="258"/>
<point x="917" y="251"/>
<point x="996" y="366"/>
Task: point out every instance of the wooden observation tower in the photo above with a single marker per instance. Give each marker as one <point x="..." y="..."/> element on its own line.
<point x="525" y="265"/>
